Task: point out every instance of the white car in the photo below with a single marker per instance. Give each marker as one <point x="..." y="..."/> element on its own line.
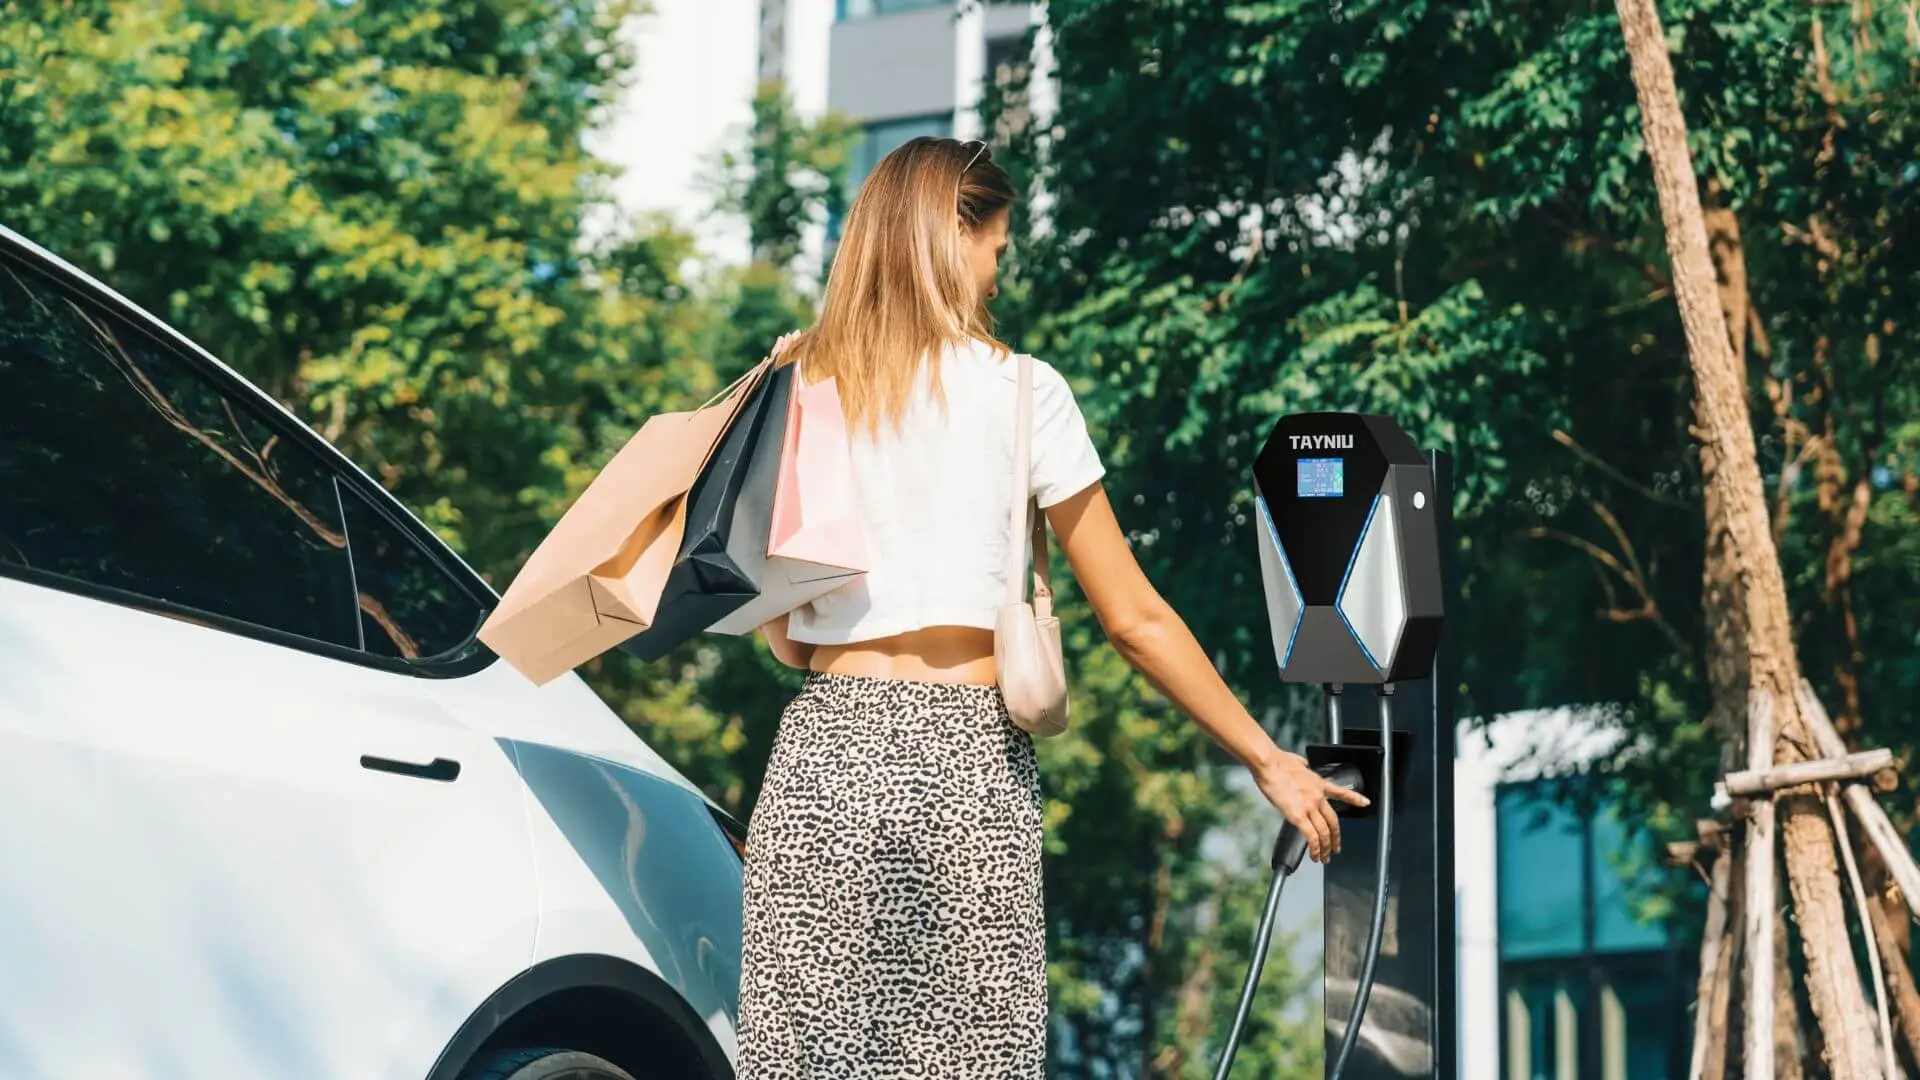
<point x="267" y="809"/>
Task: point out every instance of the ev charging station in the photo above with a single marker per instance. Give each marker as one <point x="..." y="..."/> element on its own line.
<point x="1354" y="531"/>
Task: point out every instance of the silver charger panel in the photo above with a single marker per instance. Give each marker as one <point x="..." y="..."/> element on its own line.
<point x="1349" y="549"/>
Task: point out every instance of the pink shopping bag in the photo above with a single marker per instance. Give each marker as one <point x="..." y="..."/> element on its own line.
<point x="815" y="544"/>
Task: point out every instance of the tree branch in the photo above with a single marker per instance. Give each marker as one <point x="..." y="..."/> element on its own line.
<point x="1648" y="611"/>
<point x="1614" y="473"/>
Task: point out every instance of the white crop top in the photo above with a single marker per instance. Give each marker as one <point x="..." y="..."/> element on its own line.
<point x="935" y="496"/>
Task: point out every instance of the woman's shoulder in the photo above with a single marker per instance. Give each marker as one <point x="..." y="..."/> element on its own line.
<point x="1003" y="361"/>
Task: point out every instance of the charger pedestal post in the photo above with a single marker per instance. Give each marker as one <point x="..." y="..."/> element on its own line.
<point x="1355" y="536"/>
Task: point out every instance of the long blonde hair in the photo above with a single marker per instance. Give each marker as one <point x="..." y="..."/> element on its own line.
<point x="899" y="290"/>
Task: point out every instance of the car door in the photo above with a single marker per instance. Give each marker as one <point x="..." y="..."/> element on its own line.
<point x="242" y="830"/>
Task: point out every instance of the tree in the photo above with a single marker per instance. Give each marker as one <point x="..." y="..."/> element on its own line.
<point x="1147" y="936"/>
<point x="1765" y="678"/>
<point x="787" y="174"/>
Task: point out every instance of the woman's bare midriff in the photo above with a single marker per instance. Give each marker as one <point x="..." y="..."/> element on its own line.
<point x="937" y="654"/>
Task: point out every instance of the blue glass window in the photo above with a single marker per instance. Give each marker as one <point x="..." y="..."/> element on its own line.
<point x="1591" y="983"/>
<point x="1541" y="884"/>
<point x="1626" y="871"/>
<point x="1640" y="1026"/>
<point x="881" y="138"/>
<point x="866" y="9"/>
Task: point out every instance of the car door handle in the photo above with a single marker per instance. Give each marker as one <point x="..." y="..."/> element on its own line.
<point x="442" y="769"/>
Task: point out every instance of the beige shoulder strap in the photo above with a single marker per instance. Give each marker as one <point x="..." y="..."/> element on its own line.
<point x="1025" y="509"/>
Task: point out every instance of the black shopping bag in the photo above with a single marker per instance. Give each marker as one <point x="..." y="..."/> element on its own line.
<point x="729" y="517"/>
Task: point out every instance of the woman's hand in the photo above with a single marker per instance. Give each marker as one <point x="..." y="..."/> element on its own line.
<point x="1301" y="794"/>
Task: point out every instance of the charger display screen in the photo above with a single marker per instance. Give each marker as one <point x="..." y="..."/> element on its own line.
<point x="1320" y="478"/>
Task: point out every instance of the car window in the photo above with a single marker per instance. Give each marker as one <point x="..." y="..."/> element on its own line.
<point x="125" y="468"/>
<point x="410" y="608"/>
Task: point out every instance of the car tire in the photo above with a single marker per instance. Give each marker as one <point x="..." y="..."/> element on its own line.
<point x="546" y="1063"/>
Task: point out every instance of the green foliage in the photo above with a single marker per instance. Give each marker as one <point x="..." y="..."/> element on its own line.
<point x="788" y="173"/>
<point x="780" y="176"/>
<point x="373" y="212"/>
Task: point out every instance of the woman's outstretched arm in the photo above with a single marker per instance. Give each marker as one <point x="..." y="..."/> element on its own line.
<point x="1153" y="638"/>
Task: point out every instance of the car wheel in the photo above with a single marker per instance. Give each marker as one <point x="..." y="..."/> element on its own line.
<point x="546" y="1063"/>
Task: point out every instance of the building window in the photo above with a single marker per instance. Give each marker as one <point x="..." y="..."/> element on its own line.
<point x="1589" y="989"/>
<point x="867" y="9"/>
<point x="1009" y="70"/>
<point x="876" y="141"/>
<point x="1007" y="58"/>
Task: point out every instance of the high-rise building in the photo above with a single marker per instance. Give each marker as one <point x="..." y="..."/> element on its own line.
<point x="897" y="68"/>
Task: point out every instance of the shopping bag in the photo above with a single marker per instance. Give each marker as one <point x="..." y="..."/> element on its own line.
<point x="723" y="550"/>
<point x="597" y="577"/>
<point x="814" y="539"/>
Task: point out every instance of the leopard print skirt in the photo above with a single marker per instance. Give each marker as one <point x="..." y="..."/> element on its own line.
<point x="893" y="900"/>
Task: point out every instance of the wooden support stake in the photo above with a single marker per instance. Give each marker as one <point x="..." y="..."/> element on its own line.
<point x="1866" y="923"/>
<point x="1757" y="1011"/>
<point x="1760" y="781"/>
<point x="1906" y="1003"/>
<point x="1789" y="1059"/>
<point x="1873" y="819"/>
<point x="1714" y="945"/>
<point x="1712" y="833"/>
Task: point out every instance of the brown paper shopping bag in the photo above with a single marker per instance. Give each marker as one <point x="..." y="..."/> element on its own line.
<point x="596" y="579"/>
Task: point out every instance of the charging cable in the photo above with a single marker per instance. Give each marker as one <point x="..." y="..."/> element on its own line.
<point x="1383" y="856"/>
<point x="1288" y="850"/>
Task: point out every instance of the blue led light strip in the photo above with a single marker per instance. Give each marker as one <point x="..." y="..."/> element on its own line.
<point x="1299" y="602"/>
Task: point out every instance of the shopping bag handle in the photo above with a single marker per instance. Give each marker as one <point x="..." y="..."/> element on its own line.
<point x="774" y="354"/>
<point x="734" y="385"/>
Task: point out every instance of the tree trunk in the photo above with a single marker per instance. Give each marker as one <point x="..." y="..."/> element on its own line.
<point x="1192" y="1003"/>
<point x="1884" y="1025"/>
<point x="1833" y="979"/>
<point x="1730" y="267"/>
<point x="1738" y="507"/>
<point x="1873" y="821"/>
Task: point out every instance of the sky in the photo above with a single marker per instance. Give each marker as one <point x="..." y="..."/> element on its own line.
<point x="697" y="63"/>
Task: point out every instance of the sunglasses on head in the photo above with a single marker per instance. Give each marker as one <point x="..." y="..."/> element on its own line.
<point x="977" y="154"/>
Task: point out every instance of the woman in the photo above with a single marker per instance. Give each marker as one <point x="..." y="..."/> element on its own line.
<point x="893" y="900"/>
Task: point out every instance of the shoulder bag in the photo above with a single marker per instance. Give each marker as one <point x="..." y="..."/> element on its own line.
<point x="1027" y="660"/>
